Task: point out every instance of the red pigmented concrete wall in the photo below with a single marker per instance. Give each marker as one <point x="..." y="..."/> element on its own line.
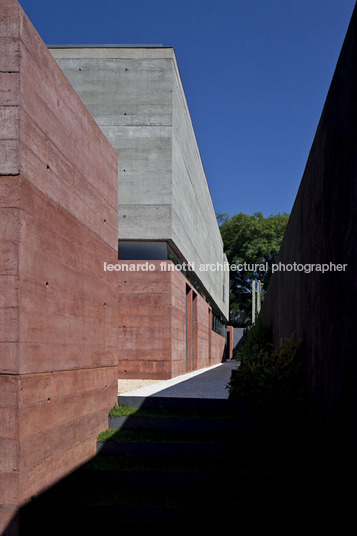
<point x="144" y="305"/>
<point x="208" y="346"/>
<point x="217" y="346"/>
<point x="230" y="341"/>
<point x="152" y="307"/>
<point x="59" y="328"/>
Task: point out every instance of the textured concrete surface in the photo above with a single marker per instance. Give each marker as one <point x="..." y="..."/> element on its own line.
<point x="321" y="307"/>
<point x="152" y="325"/>
<point x="137" y="98"/>
<point x="209" y="382"/>
<point x="58" y="215"/>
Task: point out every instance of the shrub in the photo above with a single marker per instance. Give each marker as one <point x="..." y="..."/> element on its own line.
<point x="257" y="338"/>
<point x="268" y="375"/>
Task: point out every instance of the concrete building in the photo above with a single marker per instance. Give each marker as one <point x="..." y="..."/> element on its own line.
<point x="65" y="322"/>
<point x="171" y="322"/>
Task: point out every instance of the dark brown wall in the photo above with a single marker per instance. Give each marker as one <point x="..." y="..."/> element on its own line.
<point x="59" y="329"/>
<point x="321" y="307"/>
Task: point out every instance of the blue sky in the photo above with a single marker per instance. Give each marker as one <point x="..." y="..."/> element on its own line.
<point x="255" y="73"/>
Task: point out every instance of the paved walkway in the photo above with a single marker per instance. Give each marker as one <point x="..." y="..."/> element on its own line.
<point x="209" y="382"/>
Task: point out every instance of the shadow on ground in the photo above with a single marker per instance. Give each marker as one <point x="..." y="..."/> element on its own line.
<point x="218" y="466"/>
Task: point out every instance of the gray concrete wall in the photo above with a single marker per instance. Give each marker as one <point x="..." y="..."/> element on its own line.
<point x="194" y="225"/>
<point x="321" y="307"/>
<point x="129" y="94"/>
<point x="137" y="98"/>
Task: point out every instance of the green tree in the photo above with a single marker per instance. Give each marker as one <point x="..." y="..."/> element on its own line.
<point x="253" y="240"/>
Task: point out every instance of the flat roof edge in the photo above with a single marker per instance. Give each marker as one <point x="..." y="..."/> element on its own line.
<point x="107" y="46"/>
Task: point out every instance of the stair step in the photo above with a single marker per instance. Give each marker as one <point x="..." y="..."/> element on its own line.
<point x="174" y="403"/>
<point x="193" y="425"/>
<point x="154" y="478"/>
<point x="150" y="517"/>
<point x="172" y="490"/>
<point x="159" y="478"/>
<point x="181" y="448"/>
<point x="250" y="512"/>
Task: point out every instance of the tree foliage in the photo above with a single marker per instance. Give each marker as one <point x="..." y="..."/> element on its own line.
<point x="254" y="240"/>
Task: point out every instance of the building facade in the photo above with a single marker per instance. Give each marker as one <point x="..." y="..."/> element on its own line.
<point x="172" y="319"/>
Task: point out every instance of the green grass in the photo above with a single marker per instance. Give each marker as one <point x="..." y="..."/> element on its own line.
<point x="128" y="411"/>
<point x="122" y="411"/>
<point x="152" y="435"/>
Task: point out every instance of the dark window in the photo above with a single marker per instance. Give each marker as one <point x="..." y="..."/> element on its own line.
<point x="147" y="250"/>
<point x="218" y="324"/>
<point x="139" y="250"/>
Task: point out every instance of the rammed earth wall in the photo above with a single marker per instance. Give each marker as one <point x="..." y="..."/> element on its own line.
<point x="58" y="331"/>
<point x="165" y="324"/>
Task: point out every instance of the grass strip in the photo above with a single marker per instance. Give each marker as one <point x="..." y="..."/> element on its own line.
<point x="128" y="411"/>
<point x="164" y="436"/>
<point x="147" y="436"/>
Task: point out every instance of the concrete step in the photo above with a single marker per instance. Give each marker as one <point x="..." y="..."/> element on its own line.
<point x="199" y="484"/>
<point x="212" y="477"/>
<point x="204" y="434"/>
<point x="174" y="489"/>
<point x="251" y="512"/>
<point x="176" y="404"/>
<point x="95" y="501"/>
<point x="252" y="462"/>
<point x="98" y="520"/>
<point x="233" y="426"/>
<point x="183" y="448"/>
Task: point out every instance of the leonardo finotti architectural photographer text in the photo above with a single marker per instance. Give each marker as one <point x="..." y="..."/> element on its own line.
<point x="166" y="266"/>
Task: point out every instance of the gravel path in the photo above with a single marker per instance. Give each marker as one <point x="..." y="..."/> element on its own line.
<point x="125" y="386"/>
